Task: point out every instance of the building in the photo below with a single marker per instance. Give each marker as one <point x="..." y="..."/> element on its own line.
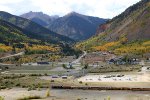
<point x="64" y="77"/>
<point x="43" y="63"/>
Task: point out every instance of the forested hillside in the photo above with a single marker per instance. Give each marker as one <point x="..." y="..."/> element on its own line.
<point x="126" y="33"/>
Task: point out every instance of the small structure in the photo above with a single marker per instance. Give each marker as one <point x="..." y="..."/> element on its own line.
<point x="43" y="63"/>
<point x="55" y="76"/>
<point x="69" y="65"/>
<point x="104" y="53"/>
<point x="111" y="61"/>
<point x="64" y="77"/>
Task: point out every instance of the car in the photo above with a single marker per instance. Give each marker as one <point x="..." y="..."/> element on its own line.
<point x="55" y="76"/>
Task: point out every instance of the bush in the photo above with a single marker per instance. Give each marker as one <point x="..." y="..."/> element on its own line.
<point x="32" y="87"/>
<point x="18" y="84"/>
<point x="3" y="87"/>
<point x="52" y="81"/>
<point x="35" y="75"/>
<point x="80" y="82"/>
<point x="108" y="98"/>
<point x="1" y="98"/>
<point x="86" y="66"/>
<point x="48" y="93"/>
<point x="23" y="86"/>
<point x="46" y="74"/>
<point x="64" y="66"/>
<point x="86" y="84"/>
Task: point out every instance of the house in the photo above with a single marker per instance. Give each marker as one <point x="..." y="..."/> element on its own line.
<point x="55" y="76"/>
<point x="69" y="65"/>
<point x="111" y="61"/>
<point x="64" y="77"/>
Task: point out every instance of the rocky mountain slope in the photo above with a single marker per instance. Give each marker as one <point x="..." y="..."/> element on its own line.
<point x="14" y="39"/>
<point x="73" y="25"/>
<point x="125" y="32"/>
<point x="38" y="31"/>
<point x="76" y="26"/>
<point x="39" y="18"/>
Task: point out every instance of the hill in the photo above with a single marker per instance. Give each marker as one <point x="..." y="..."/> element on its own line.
<point x="19" y="34"/>
<point x="125" y="33"/>
<point x="38" y="31"/>
<point x="14" y="39"/>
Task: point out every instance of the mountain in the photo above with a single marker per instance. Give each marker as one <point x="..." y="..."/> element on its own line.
<point x="40" y="18"/>
<point x="73" y="25"/>
<point x="125" y="33"/>
<point x="76" y="26"/>
<point x="10" y="33"/>
<point x="37" y="31"/>
<point x="14" y="39"/>
<point x="133" y="23"/>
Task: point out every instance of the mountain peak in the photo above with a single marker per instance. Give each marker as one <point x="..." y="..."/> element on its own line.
<point x="76" y="26"/>
<point x="73" y="13"/>
<point x="31" y="12"/>
<point x="34" y="14"/>
<point x="39" y="17"/>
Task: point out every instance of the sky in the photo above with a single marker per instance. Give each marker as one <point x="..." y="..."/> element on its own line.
<point x="98" y="8"/>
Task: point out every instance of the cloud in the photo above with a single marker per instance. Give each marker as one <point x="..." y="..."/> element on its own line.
<point x="100" y="8"/>
<point x="9" y="1"/>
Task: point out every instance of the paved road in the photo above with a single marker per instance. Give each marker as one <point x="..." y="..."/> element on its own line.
<point x="78" y="60"/>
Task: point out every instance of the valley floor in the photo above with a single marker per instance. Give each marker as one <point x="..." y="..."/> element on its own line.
<point x="15" y="93"/>
<point x="34" y="80"/>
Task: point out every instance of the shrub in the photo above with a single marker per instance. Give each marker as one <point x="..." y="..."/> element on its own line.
<point x="52" y="81"/>
<point x="80" y="82"/>
<point x="46" y="74"/>
<point x="39" y="86"/>
<point x="18" y="84"/>
<point x="1" y="98"/>
<point x="23" y="86"/>
<point x="86" y="84"/>
<point x="3" y="87"/>
<point x="48" y="92"/>
<point x="108" y="98"/>
<point x="32" y="87"/>
<point x="35" y="74"/>
<point x="64" y="66"/>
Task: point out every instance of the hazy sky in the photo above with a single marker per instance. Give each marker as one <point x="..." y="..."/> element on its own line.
<point x="99" y="8"/>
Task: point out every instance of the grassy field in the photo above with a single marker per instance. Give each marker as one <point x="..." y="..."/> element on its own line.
<point x="105" y="68"/>
<point x="24" y="81"/>
<point x="36" y="72"/>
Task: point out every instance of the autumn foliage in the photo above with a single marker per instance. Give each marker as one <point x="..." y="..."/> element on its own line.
<point x="106" y="46"/>
<point x="120" y="48"/>
<point x="42" y="47"/>
<point x="4" y="48"/>
<point x="134" y="48"/>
